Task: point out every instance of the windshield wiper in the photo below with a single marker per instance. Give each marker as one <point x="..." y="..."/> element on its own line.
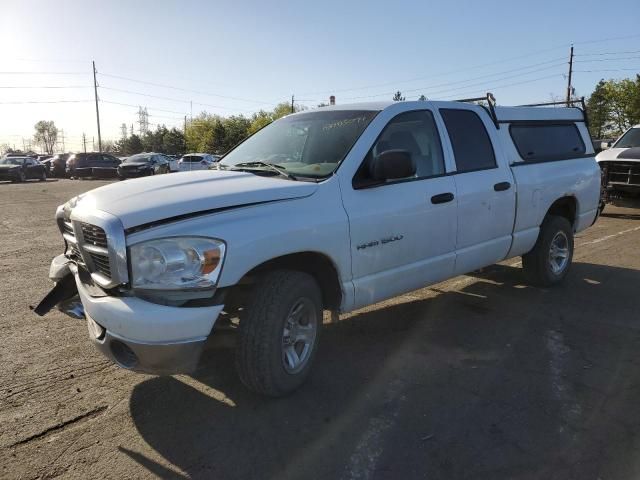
<point x="279" y="169"/>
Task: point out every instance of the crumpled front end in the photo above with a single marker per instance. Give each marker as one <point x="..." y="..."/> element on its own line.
<point x="92" y="282"/>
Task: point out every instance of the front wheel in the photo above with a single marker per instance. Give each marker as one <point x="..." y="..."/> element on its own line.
<point x="549" y="261"/>
<point x="278" y="336"/>
<point x="43" y="176"/>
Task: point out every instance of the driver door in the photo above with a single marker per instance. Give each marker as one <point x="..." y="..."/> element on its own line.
<point x="403" y="232"/>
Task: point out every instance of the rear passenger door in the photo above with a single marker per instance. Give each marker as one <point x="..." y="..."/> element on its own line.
<point x="485" y="188"/>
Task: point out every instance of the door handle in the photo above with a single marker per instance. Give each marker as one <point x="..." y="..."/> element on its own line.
<point x="442" y="198"/>
<point x="499" y="187"/>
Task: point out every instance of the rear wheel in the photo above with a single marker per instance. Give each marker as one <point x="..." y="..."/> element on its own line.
<point x="549" y="261"/>
<point x="278" y="336"/>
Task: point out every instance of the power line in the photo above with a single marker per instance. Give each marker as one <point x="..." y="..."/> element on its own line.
<point x="43" y="73"/>
<point x="186" y="89"/>
<point x="610" y="39"/>
<point x="606" y="53"/>
<point x="45" y="101"/>
<point x="178" y="100"/>
<point x="429" y="89"/>
<point x="473" y="67"/>
<point x="170" y="99"/>
<point x="136" y="106"/>
<point x="495" y="87"/>
<point x="608" y="59"/>
<point x="611" y="70"/>
<point x="45" y="87"/>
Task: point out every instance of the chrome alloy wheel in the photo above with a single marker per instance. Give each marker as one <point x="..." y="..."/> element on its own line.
<point x="298" y="336"/>
<point x="559" y="253"/>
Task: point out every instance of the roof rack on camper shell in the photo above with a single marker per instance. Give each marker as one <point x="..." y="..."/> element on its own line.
<point x="491" y="102"/>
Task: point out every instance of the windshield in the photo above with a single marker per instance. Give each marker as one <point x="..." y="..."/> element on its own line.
<point x="11" y="161"/>
<point x="307" y="144"/>
<point x="139" y="158"/>
<point x="630" y="139"/>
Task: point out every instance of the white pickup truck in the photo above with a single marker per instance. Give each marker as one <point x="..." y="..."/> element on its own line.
<point x="330" y="209"/>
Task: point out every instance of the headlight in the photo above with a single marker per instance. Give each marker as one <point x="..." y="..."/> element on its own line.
<point x="177" y="263"/>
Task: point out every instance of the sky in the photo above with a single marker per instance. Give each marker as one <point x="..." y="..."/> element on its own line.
<point x="180" y="58"/>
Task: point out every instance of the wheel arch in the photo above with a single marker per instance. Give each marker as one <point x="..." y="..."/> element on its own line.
<point x="316" y="264"/>
<point x="567" y="207"/>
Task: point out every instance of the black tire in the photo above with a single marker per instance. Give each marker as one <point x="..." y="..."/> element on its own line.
<point x="43" y="176"/>
<point x="539" y="268"/>
<point x="21" y="178"/>
<point x="260" y="359"/>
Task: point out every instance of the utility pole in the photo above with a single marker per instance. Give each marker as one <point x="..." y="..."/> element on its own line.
<point x="93" y="144"/>
<point x="62" y="135"/>
<point x="95" y="92"/>
<point x="569" y="88"/>
<point x="185" y="134"/>
<point x="291" y="103"/>
<point x="84" y="142"/>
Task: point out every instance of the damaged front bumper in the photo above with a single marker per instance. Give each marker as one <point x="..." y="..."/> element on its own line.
<point x="135" y="334"/>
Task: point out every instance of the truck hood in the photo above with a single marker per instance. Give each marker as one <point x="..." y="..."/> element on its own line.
<point x="623" y="154"/>
<point x="162" y="197"/>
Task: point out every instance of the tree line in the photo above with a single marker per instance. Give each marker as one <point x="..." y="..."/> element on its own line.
<point x="204" y="133"/>
<point x="614" y="106"/>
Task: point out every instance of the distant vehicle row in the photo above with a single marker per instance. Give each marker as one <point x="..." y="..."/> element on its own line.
<point x="103" y="165"/>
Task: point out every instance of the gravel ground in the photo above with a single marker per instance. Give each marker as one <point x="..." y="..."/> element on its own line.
<point x="479" y="377"/>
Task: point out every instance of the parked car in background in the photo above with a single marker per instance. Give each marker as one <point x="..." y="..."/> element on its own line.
<point x="92" y="165"/>
<point x="620" y="165"/>
<point x="143" y="164"/>
<point x="19" y="169"/>
<point x="197" y="161"/>
<point x="57" y="165"/>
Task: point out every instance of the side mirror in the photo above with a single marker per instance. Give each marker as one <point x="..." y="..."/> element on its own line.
<point x="392" y="164"/>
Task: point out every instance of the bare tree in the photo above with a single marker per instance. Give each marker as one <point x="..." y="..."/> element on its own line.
<point x="46" y="135"/>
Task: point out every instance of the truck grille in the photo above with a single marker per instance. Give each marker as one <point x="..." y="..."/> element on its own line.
<point x="92" y="246"/>
<point x="94" y="235"/>
<point x="622" y="173"/>
<point x="101" y="264"/>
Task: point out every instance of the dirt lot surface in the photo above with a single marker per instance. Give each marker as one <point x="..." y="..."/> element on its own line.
<point x="480" y="377"/>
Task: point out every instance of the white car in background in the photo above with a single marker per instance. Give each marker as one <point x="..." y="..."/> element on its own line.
<point x="196" y="161"/>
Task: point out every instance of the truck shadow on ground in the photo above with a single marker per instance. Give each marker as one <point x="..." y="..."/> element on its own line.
<point x="494" y="380"/>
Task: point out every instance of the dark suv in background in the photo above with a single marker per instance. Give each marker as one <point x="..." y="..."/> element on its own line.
<point x="93" y="165"/>
<point x="143" y="164"/>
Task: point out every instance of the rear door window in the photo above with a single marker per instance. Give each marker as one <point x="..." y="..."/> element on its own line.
<point x="471" y="144"/>
<point x="546" y="141"/>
